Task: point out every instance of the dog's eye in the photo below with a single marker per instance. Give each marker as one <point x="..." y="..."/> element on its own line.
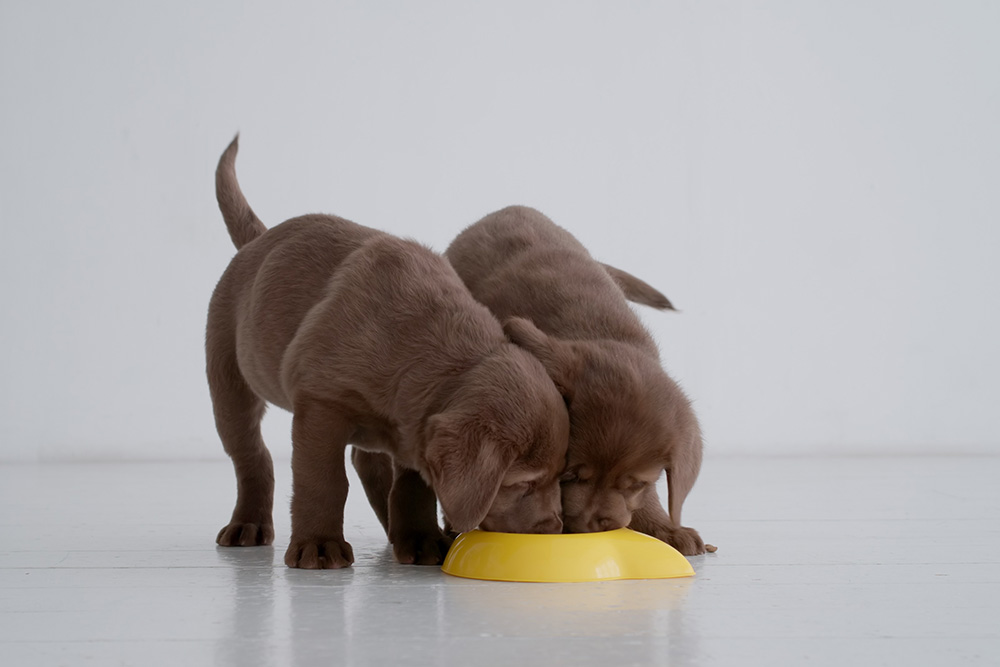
<point x="567" y="477"/>
<point x="636" y="486"/>
<point x="525" y="488"/>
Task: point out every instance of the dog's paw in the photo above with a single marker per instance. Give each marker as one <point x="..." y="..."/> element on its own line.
<point x="329" y="554"/>
<point x="238" y="534"/>
<point x="449" y="532"/>
<point x="427" y="548"/>
<point x="686" y="540"/>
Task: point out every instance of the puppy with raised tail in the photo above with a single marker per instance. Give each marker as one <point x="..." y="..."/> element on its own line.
<point x="629" y="420"/>
<point x="374" y="341"/>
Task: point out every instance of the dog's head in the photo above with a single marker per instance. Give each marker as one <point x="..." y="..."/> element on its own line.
<point x="629" y="421"/>
<point x="494" y="458"/>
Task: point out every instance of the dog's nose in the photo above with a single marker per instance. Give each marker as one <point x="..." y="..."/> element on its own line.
<point x="551" y="525"/>
<point x="606" y="523"/>
<point x="572" y="524"/>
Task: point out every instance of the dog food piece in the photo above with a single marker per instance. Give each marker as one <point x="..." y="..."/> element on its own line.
<point x="711" y="548"/>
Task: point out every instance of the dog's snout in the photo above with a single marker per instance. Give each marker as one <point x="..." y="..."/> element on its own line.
<point x="551" y="525"/>
<point x="605" y="523"/>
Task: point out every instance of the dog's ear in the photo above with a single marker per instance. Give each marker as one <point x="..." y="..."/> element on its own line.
<point x="556" y="356"/>
<point x="465" y="469"/>
<point x="682" y="471"/>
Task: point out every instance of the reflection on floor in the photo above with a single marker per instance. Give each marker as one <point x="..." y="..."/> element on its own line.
<point x="821" y="562"/>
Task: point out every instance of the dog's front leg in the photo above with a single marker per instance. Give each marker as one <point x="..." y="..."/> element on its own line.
<point x="650" y="518"/>
<point x="413" y="527"/>
<point x="319" y="488"/>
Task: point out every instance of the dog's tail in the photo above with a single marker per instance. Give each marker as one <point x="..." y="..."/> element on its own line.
<point x="243" y="224"/>
<point x="637" y="290"/>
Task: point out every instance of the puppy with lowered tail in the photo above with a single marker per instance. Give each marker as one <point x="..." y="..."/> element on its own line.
<point x="372" y="340"/>
<point x="629" y="420"/>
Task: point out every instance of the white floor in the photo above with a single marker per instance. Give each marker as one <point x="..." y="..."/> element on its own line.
<point x="821" y="561"/>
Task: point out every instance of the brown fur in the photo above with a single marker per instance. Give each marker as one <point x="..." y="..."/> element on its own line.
<point x="638" y="290"/>
<point x="629" y="420"/>
<point x="373" y="340"/>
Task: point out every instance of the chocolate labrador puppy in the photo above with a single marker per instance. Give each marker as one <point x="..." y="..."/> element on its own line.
<point x="373" y="340"/>
<point x="628" y="420"/>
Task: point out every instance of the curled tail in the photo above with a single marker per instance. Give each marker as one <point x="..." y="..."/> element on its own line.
<point x="243" y="224"/>
<point x="637" y="290"/>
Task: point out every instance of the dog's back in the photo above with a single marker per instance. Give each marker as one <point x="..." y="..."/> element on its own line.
<point x="570" y="294"/>
<point x="261" y="303"/>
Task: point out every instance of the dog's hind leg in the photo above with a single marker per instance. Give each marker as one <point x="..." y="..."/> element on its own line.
<point x="375" y="471"/>
<point x="238" y="412"/>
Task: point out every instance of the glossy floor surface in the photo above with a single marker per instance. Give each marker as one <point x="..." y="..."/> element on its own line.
<point x="821" y="561"/>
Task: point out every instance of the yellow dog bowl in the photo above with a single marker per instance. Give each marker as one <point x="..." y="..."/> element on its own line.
<point x="615" y="554"/>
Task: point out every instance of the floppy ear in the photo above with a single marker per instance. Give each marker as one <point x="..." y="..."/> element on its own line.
<point x="556" y="356"/>
<point x="465" y="470"/>
<point x="682" y="471"/>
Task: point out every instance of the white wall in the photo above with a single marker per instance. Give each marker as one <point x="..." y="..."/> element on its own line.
<point x="815" y="185"/>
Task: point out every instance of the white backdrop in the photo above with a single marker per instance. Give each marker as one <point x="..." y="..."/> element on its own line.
<point x="815" y="185"/>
